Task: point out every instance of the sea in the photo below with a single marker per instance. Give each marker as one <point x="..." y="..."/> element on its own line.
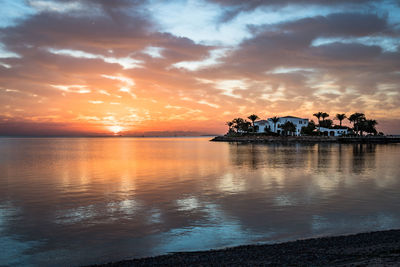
<point x="79" y="201"/>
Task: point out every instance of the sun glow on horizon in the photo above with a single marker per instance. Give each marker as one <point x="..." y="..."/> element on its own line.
<point x="115" y="129"/>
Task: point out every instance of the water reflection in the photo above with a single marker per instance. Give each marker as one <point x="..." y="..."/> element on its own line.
<point x="81" y="201"/>
<point x="363" y="157"/>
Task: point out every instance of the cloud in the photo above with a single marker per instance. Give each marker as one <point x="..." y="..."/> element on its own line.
<point x="114" y="61"/>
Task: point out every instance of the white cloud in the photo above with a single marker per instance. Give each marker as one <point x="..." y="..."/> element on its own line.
<point x="125" y="62"/>
<point x="388" y="44"/>
<point x="81" y="89"/>
<point x="213" y="59"/>
<point x="153" y="51"/>
<point x="200" y="20"/>
<point x="96" y="102"/>
<point x="126" y="83"/>
<point x="204" y="102"/>
<point x="7" y="54"/>
<point x="61" y="7"/>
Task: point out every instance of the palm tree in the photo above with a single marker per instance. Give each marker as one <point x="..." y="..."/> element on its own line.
<point x="275" y="120"/>
<point x="340" y="117"/>
<point x="318" y="115"/>
<point x="253" y="118"/>
<point x="356" y="119"/>
<point x="324" y="115"/>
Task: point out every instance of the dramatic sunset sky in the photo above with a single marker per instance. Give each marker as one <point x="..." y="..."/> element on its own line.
<point x="103" y="66"/>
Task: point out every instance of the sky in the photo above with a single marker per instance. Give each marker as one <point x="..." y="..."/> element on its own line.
<point x="131" y="67"/>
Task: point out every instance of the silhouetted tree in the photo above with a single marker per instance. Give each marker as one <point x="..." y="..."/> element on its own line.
<point x="340" y="118"/>
<point x="309" y="129"/>
<point x="253" y="118"/>
<point x="288" y="127"/>
<point x="245" y="126"/>
<point x="241" y="125"/>
<point x="230" y="124"/>
<point x="368" y="126"/>
<point x="326" y="123"/>
<point x="357" y="119"/>
<point x="318" y="115"/>
<point x="237" y="122"/>
<point x="324" y="115"/>
<point x="275" y="119"/>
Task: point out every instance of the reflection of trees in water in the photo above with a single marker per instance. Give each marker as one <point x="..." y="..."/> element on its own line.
<point x="340" y="162"/>
<point x="272" y="155"/>
<point x="323" y="156"/>
<point x="363" y="157"/>
<point x="359" y="157"/>
<point x="249" y="155"/>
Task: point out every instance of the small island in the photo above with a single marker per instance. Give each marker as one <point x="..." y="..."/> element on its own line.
<point x="289" y="129"/>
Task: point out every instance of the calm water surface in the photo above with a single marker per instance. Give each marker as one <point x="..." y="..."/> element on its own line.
<point x="73" y="201"/>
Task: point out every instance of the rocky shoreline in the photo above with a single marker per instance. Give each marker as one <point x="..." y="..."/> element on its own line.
<point x="308" y="139"/>
<point x="366" y="249"/>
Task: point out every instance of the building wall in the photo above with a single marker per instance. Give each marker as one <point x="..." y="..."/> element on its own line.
<point x="262" y="125"/>
<point x="333" y="132"/>
<point x="298" y="122"/>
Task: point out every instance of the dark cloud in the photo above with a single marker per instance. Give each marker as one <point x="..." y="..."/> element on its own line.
<point x="340" y="24"/>
<point x="234" y="7"/>
<point x="290" y="44"/>
<point x="282" y="69"/>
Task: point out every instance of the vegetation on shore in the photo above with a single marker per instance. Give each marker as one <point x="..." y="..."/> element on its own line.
<point x="361" y="125"/>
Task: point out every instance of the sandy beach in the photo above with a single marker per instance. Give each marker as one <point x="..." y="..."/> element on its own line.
<point x="366" y="249"/>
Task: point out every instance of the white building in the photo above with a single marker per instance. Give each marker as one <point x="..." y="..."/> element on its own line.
<point x="333" y="132"/>
<point x="276" y="128"/>
<point x="262" y="124"/>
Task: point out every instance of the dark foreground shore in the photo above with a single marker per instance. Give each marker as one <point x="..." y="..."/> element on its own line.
<point x="308" y="139"/>
<point x="366" y="249"/>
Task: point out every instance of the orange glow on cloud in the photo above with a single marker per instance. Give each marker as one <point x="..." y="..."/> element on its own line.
<point x="135" y="73"/>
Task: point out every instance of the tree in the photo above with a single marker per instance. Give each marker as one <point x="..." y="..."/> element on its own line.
<point x="309" y="129"/>
<point x="326" y="123"/>
<point x="368" y="126"/>
<point x="230" y="124"/>
<point x="288" y="127"/>
<point x="340" y="118"/>
<point x="356" y="119"/>
<point x="318" y="115"/>
<point x="245" y="126"/>
<point x="237" y="122"/>
<point x="275" y="120"/>
<point x="324" y="115"/>
<point x="267" y="129"/>
<point x="241" y="125"/>
<point x="253" y="118"/>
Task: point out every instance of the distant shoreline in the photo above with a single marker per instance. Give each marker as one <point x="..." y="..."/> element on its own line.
<point x="309" y="139"/>
<point x="106" y="136"/>
<point x="365" y="249"/>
